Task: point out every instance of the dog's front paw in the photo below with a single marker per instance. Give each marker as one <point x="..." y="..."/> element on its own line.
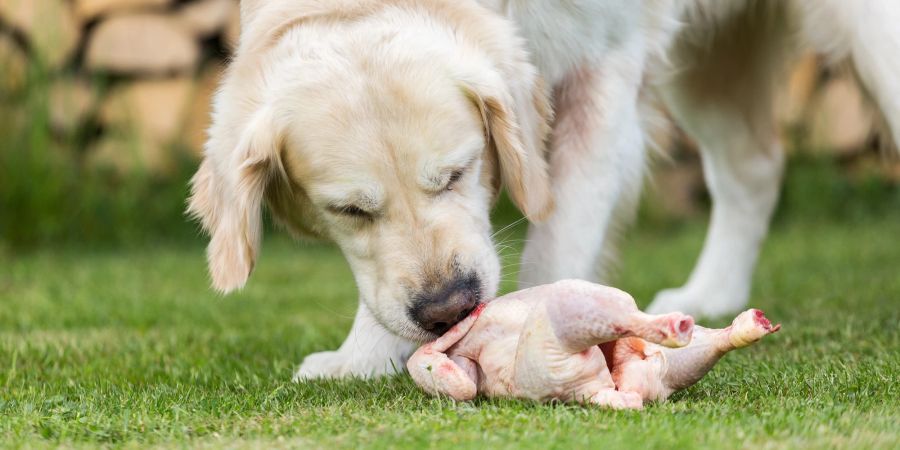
<point x="321" y="365"/>
<point x="339" y="364"/>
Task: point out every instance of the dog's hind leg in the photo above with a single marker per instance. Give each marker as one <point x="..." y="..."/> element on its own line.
<point x="868" y="33"/>
<point x="723" y="98"/>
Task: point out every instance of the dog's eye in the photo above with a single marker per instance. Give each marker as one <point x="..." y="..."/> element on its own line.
<point x="351" y="211"/>
<point x="454" y="177"/>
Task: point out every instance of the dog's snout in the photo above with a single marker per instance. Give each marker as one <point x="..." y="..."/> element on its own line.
<point x="442" y="309"/>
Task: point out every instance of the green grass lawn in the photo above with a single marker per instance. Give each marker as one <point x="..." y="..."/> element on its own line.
<point x="130" y="347"/>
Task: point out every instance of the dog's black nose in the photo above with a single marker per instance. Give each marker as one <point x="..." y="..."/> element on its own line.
<point x="439" y="311"/>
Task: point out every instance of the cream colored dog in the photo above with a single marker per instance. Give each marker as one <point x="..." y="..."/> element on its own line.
<point x="389" y="127"/>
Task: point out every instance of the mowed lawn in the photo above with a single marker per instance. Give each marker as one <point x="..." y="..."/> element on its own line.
<point x="130" y="347"/>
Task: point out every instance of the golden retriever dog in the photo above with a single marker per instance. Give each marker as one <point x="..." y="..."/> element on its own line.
<point x="390" y="126"/>
<point x="387" y="127"/>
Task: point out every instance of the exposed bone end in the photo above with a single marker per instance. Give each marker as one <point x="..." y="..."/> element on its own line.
<point x="678" y="330"/>
<point x="749" y="327"/>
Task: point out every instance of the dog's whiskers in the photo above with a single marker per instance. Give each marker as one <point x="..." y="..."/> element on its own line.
<point x="514" y="223"/>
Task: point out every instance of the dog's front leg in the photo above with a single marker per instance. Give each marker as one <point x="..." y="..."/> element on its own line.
<point x="596" y="163"/>
<point x="369" y="351"/>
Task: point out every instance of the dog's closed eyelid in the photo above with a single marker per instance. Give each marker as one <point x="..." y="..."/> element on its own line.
<point x="454" y="177"/>
<point x="456" y="174"/>
<point x="350" y="211"/>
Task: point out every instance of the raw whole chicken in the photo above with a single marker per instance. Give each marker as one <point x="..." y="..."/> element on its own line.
<point x="576" y="341"/>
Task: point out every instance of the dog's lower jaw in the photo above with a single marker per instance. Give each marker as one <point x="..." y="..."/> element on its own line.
<point x="369" y="351"/>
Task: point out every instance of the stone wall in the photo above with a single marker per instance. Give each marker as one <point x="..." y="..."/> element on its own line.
<point x="158" y="61"/>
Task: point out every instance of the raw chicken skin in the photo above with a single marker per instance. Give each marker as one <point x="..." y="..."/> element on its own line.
<point x="576" y="341"/>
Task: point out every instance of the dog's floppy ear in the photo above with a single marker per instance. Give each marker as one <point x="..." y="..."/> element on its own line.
<point x="517" y="124"/>
<point x="227" y="194"/>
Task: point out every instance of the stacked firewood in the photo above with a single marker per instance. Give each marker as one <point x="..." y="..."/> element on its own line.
<point x="158" y="62"/>
<point x="141" y="71"/>
<point x="820" y="110"/>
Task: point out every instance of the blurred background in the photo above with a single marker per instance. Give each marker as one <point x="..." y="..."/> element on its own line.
<point x="110" y="334"/>
<point x="104" y="106"/>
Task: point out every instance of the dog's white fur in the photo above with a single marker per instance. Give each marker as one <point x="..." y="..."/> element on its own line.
<point x="716" y="65"/>
<point x="376" y="103"/>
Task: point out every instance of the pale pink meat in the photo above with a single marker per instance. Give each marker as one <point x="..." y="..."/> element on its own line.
<point x="576" y="341"/>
